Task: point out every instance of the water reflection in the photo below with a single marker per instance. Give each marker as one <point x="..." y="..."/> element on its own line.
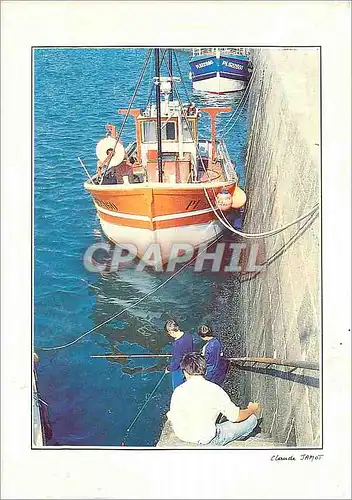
<point x="207" y="99"/>
<point x="190" y="297"/>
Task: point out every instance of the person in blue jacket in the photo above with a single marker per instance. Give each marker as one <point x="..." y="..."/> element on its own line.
<point x="217" y="366"/>
<point x="183" y="344"/>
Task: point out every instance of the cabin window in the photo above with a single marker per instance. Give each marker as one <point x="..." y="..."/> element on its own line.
<point x="188" y="130"/>
<point x="149" y="131"/>
<point x="168" y="131"/>
<point x="170" y="157"/>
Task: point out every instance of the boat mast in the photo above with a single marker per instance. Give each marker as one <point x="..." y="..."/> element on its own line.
<point x="158" y="114"/>
<point x="170" y="71"/>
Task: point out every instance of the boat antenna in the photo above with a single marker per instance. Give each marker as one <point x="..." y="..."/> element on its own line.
<point x="170" y="68"/>
<point x="158" y="114"/>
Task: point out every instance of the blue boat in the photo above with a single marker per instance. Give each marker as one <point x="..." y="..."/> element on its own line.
<point x="220" y="71"/>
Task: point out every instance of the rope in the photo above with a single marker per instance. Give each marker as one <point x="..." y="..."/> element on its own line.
<point x="254" y="123"/>
<point x="264" y="234"/>
<point x="224" y="132"/>
<point x="198" y="152"/>
<point x="244" y="96"/>
<point x="119" y="133"/>
<point x="151" y="85"/>
<point x="151" y="79"/>
<point x="128" y="307"/>
<point x="184" y="115"/>
<point x="145" y="404"/>
<point x="182" y="80"/>
<point x="301" y="230"/>
<point x="223" y="220"/>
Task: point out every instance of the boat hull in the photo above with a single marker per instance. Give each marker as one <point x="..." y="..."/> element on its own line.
<point x="219" y="85"/>
<point x="169" y="242"/>
<point x="219" y="73"/>
<point x="141" y="215"/>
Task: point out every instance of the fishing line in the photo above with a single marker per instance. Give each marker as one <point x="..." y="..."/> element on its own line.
<point x="145" y="404"/>
<point x="132" y="305"/>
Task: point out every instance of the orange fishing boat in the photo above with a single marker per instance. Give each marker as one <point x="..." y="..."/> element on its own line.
<point x="168" y="186"/>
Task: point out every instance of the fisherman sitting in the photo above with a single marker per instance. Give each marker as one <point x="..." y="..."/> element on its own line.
<point x="196" y="404"/>
<point x="124" y="172"/>
<point x="182" y="345"/>
<point x="217" y="365"/>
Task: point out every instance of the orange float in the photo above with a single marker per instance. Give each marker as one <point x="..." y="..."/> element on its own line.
<point x="239" y="198"/>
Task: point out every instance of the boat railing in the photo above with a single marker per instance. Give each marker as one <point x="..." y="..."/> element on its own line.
<point x="131" y="148"/>
<point x="227" y="164"/>
<point x="206" y="51"/>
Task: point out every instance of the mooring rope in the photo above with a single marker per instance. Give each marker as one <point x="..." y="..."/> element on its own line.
<point x="225" y="132"/>
<point x="145" y="404"/>
<point x="223" y="219"/>
<point x="264" y="234"/>
<point x="132" y="305"/>
<point x="243" y="100"/>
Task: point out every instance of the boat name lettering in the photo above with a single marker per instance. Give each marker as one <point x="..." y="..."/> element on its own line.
<point x="204" y="64"/>
<point x="105" y="204"/>
<point x="192" y="204"/>
<point x="232" y="65"/>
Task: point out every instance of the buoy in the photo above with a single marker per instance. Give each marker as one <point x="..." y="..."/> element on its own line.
<point x="224" y="200"/>
<point x="238" y="198"/>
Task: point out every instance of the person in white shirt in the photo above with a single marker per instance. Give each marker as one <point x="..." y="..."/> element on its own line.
<point x="196" y="404"/>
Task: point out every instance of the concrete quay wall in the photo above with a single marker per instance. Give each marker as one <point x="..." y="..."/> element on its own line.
<point x="280" y="307"/>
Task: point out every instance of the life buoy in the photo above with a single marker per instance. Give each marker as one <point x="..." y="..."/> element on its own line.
<point x="224" y="200"/>
<point x="238" y="198"/>
<point x="103" y="147"/>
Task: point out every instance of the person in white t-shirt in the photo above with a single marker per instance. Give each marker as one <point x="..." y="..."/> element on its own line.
<point x="196" y="404"/>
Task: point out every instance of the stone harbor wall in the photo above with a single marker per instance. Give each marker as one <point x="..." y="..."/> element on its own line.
<point x="280" y="307"/>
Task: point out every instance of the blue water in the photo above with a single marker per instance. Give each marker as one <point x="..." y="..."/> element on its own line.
<point x="93" y="401"/>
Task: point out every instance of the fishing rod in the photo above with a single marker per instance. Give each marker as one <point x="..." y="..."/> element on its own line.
<point x="132" y="356"/>
<point x="83" y="165"/>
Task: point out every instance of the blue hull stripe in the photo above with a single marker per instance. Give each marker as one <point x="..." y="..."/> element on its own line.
<point x="226" y="76"/>
<point x="231" y="76"/>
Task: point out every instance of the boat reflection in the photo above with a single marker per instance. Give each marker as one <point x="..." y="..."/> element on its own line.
<point x="139" y="330"/>
<point x="208" y="99"/>
<point x="191" y="298"/>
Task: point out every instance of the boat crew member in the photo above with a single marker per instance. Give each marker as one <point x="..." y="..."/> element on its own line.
<point x="124" y="170"/>
<point x="182" y="345"/>
<point x="191" y="110"/>
<point x="217" y="366"/>
<point x="105" y="163"/>
<point x="196" y="404"/>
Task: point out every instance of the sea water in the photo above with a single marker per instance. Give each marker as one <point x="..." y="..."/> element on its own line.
<point x="93" y="401"/>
